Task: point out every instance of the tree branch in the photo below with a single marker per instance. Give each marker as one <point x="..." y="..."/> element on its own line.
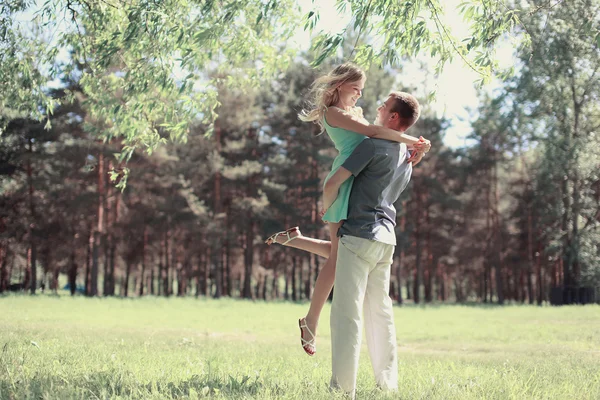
<point x="437" y="20"/>
<point x="361" y="26"/>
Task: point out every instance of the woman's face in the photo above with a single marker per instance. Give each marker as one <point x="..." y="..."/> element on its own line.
<point x="350" y="92"/>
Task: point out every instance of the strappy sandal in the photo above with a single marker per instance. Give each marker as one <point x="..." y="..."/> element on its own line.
<point x="309" y="346"/>
<point x="273" y="238"/>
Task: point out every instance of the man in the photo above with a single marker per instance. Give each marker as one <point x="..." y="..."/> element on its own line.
<point x="382" y="170"/>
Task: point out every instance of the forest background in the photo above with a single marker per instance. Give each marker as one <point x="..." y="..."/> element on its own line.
<point x="148" y="148"/>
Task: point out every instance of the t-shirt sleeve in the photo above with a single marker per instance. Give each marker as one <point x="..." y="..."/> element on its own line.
<point x="360" y="157"/>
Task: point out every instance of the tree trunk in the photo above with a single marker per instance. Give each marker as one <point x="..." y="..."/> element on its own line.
<point x="160" y="274"/>
<point x="249" y="259"/>
<point x="88" y="264"/>
<point x="174" y="263"/>
<point x="399" y="277"/>
<point x="498" y="242"/>
<point x="106" y="272"/>
<point x="126" y="280"/>
<point x="183" y="279"/>
<point x="111" y="267"/>
<point x="275" y="290"/>
<point x="294" y="266"/>
<point x="73" y="273"/>
<point x="400" y="253"/>
<point x="33" y="220"/>
<point x="576" y="274"/>
<point x="53" y="280"/>
<point x="430" y="263"/>
<point x="108" y="236"/>
<point x="228" y="280"/>
<point x="286" y="293"/>
<point x="207" y="261"/>
<point x="427" y="282"/>
<point x="264" y="287"/>
<point x="218" y="275"/>
<point x="418" y="266"/>
<point x="566" y="253"/>
<point x="521" y="286"/>
<point x="441" y="268"/>
<point x="4" y="268"/>
<point x="165" y="274"/>
<point x="309" y="279"/>
<point x="113" y="240"/>
<point x="458" y="291"/>
<point x="217" y="207"/>
<point x="540" y="291"/>
<point x="143" y="263"/>
<point x="152" y="280"/>
<point x="574" y="178"/>
<point x="99" y="228"/>
<point x="529" y="253"/>
<point x="197" y="274"/>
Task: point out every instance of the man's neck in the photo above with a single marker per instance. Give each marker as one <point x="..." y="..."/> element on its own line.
<point x="396" y="128"/>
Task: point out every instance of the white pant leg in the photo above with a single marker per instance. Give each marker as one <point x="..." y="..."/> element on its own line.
<point x="350" y="284"/>
<point x="379" y="323"/>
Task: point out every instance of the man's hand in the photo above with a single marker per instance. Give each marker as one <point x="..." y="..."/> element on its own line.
<point x="415" y="158"/>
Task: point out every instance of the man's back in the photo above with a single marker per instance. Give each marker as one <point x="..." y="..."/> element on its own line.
<point x="382" y="173"/>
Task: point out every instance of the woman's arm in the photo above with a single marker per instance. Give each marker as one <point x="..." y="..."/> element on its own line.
<point x="341" y="119"/>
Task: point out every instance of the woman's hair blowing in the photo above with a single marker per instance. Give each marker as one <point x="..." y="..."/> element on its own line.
<point x="323" y="92"/>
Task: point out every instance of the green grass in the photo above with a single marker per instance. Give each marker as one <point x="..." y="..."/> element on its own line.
<point x="154" y="348"/>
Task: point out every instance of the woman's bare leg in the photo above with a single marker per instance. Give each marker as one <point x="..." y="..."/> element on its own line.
<point x="323" y="284"/>
<point x="316" y="246"/>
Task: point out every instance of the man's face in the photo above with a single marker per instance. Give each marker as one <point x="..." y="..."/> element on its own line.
<point x="385" y="116"/>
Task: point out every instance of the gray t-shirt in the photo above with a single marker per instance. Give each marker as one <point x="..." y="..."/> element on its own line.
<point x="382" y="174"/>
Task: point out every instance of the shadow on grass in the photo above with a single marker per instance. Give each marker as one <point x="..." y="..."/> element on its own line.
<point x="471" y="304"/>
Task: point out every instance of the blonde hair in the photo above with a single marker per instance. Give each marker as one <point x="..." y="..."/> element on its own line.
<point x="323" y="92"/>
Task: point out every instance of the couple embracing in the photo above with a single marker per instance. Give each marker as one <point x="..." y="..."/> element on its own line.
<point x="372" y="169"/>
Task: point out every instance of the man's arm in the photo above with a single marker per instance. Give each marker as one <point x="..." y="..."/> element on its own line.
<point x="332" y="186"/>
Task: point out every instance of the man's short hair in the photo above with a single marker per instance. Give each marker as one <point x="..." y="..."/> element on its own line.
<point x="407" y="107"/>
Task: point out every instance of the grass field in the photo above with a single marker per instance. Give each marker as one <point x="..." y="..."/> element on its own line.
<point x="155" y="348"/>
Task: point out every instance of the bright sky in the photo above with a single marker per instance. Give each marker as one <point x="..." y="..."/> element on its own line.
<point x="454" y="87"/>
<point x="455" y="91"/>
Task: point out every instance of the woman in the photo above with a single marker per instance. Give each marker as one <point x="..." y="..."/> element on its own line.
<point x="333" y="109"/>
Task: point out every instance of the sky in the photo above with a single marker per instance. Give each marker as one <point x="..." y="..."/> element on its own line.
<point x="455" y="91"/>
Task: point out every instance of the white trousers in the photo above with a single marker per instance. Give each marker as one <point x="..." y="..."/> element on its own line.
<point x="362" y="281"/>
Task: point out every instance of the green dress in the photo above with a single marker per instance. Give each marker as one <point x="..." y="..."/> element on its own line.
<point x="345" y="142"/>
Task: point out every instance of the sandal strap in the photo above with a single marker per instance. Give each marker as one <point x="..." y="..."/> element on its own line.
<point x="287" y="233"/>
<point x="273" y="238"/>
<point x="309" y="346"/>
<point x="303" y="325"/>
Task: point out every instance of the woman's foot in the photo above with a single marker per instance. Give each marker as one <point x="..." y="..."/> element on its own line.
<point x="307" y="337"/>
<point x="284" y="237"/>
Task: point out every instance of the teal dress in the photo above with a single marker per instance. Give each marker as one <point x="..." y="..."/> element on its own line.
<point x="345" y="142"/>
